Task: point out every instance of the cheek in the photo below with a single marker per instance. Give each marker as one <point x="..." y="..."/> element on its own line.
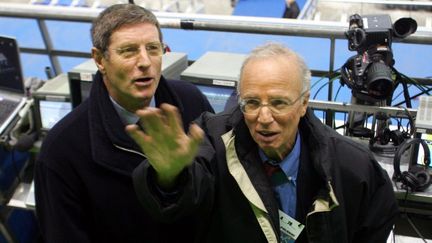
<point x="116" y="66"/>
<point x="123" y="71"/>
<point x="124" y="66"/>
<point x="250" y="123"/>
<point x="290" y="122"/>
<point x="157" y="64"/>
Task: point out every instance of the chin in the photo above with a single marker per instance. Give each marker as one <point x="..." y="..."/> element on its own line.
<point x="267" y="148"/>
<point x="144" y="94"/>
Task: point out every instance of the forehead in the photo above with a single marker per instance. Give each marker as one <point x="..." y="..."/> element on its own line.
<point x="132" y="33"/>
<point x="278" y="74"/>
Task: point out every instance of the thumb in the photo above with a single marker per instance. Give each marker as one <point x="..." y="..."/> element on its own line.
<point x="196" y="135"/>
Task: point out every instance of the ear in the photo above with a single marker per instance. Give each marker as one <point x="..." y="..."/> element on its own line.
<point x="305" y="103"/>
<point x="98" y="57"/>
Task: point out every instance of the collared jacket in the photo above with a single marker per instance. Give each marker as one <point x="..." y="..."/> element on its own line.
<point x="83" y="174"/>
<point x="343" y="195"/>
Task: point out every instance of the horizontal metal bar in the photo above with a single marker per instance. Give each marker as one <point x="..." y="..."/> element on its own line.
<point x="259" y="25"/>
<point x="48" y="12"/>
<point x="347" y="107"/>
<point x="55" y="52"/>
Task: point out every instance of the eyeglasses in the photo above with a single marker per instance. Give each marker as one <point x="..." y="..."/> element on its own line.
<point x="155" y="49"/>
<point x="277" y="106"/>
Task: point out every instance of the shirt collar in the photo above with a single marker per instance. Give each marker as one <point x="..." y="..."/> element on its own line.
<point x="128" y="117"/>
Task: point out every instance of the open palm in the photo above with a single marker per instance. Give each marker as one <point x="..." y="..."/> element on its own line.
<point x="168" y="148"/>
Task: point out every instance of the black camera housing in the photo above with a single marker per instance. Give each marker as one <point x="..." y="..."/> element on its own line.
<point x="369" y="73"/>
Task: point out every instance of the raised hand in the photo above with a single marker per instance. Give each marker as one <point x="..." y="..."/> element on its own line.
<point x="165" y="144"/>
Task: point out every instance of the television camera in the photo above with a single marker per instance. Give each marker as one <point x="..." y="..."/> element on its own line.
<point x="371" y="76"/>
<point x="369" y="73"/>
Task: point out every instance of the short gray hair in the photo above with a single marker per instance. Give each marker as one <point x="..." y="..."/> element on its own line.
<point x="116" y="16"/>
<point x="276" y="49"/>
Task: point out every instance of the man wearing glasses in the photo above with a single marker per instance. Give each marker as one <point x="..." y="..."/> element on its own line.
<point x="268" y="170"/>
<point x="83" y="175"/>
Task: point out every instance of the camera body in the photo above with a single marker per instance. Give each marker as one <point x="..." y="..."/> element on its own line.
<point x="369" y="73"/>
<point x="368" y="31"/>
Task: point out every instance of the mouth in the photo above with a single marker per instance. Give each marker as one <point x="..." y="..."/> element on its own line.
<point x="145" y="81"/>
<point x="267" y="136"/>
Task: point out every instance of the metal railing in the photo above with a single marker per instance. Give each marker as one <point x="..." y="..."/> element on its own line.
<point x="270" y="26"/>
<point x="256" y="25"/>
<point x="158" y="5"/>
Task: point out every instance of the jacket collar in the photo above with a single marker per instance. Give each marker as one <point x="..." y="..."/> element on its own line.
<point x="247" y="152"/>
<point x="110" y="143"/>
<point x="317" y="135"/>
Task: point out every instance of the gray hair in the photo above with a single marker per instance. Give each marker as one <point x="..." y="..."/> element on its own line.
<point x="276" y="49"/>
<point x="116" y="16"/>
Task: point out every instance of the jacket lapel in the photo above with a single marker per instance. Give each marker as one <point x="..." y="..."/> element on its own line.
<point x="247" y="151"/>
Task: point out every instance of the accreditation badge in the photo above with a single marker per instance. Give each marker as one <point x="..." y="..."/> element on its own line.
<point x="290" y="228"/>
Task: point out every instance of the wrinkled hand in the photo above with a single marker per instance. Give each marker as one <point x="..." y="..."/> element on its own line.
<point x="168" y="149"/>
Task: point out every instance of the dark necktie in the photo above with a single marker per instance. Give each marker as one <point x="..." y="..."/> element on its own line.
<point x="275" y="173"/>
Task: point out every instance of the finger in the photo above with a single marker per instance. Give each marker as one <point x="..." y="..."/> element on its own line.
<point x="131" y="127"/>
<point x="195" y="132"/>
<point x="146" y="143"/>
<point x="147" y="115"/>
<point x="138" y="135"/>
<point x="172" y="115"/>
<point x="197" y="136"/>
<point x="152" y="121"/>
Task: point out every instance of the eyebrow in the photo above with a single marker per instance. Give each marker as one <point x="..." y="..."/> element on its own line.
<point x="124" y="46"/>
<point x="271" y="97"/>
<point x="127" y="44"/>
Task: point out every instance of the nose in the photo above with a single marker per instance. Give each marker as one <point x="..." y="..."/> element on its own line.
<point x="143" y="59"/>
<point x="265" y="115"/>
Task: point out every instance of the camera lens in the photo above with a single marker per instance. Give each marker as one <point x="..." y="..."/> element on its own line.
<point x="379" y="80"/>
